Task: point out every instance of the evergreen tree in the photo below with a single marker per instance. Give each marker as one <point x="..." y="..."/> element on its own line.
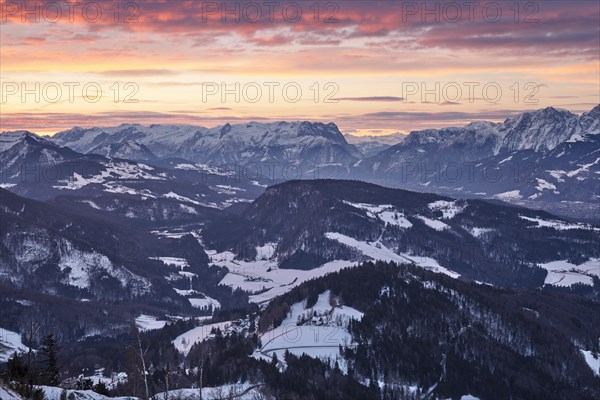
<point x="49" y="354"/>
<point x="101" y="388"/>
<point x="15" y="368"/>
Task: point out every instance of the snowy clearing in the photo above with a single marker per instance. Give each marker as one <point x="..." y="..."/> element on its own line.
<point x="9" y="343"/>
<point x="378" y="251"/>
<point x="449" y="209"/>
<point x="385" y="213"/>
<point x="558" y="225"/>
<point x="185" y="341"/>
<point x="316" y="331"/>
<point x="149" y="323"/>
<point x="563" y="273"/>
<point x="434" y="223"/>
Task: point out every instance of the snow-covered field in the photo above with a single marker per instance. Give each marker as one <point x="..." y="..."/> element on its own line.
<point x="120" y="171"/>
<point x="9" y="343"/>
<point x="185" y="341"/>
<point x="149" y="323"/>
<point x="449" y="209"/>
<point x="563" y="273"/>
<point x="434" y="223"/>
<point x="510" y="195"/>
<point x="205" y="302"/>
<point x="172" y="261"/>
<point x="263" y="277"/>
<point x="386" y="213"/>
<point x="317" y="331"/>
<point x="558" y="225"/>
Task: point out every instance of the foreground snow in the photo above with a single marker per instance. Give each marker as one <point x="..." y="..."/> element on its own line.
<point x="243" y="391"/>
<point x="53" y="393"/>
<point x="8" y="394"/>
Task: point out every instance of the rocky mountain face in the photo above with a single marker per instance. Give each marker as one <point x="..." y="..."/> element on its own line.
<point x="295" y="143"/>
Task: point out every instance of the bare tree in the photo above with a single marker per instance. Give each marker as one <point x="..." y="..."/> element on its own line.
<point x="33" y="330"/>
<point x="204" y="354"/>
<point x="167" y="383"/>
<point x="140" y="352"/>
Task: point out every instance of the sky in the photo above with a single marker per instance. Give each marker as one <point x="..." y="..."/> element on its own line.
<point x="371" y="67"/>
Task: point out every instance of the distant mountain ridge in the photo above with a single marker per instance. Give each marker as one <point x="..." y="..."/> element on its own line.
<point x="298" y="143"/>
<point x="547" y="159"/>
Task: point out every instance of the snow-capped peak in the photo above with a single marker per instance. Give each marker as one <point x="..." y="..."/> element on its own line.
<point x="9" y="139"/>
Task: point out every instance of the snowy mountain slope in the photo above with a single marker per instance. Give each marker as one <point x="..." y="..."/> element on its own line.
<point x="356" y="221"/>
<point x="541" y="159"/>
<point x="297" y="143"/>
<point x="130" y="150"/>
<point x="56" y="253"/>
<point x="23" y="152"/>
<point x="40" y="243"/>
<point x="540" y="131"/>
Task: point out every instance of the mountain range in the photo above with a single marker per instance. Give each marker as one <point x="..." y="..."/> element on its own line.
<point x="402" y="277"/>
<point x="546" y="159"/>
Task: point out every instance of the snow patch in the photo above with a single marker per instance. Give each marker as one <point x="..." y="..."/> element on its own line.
<point x="556" y="224"/>
<point x="592" y="361"/>
<point x="434" y="223"/>
<point x="449" y="209"/>
<point x="9" y="343"/>
<point x="149" y="323"/>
